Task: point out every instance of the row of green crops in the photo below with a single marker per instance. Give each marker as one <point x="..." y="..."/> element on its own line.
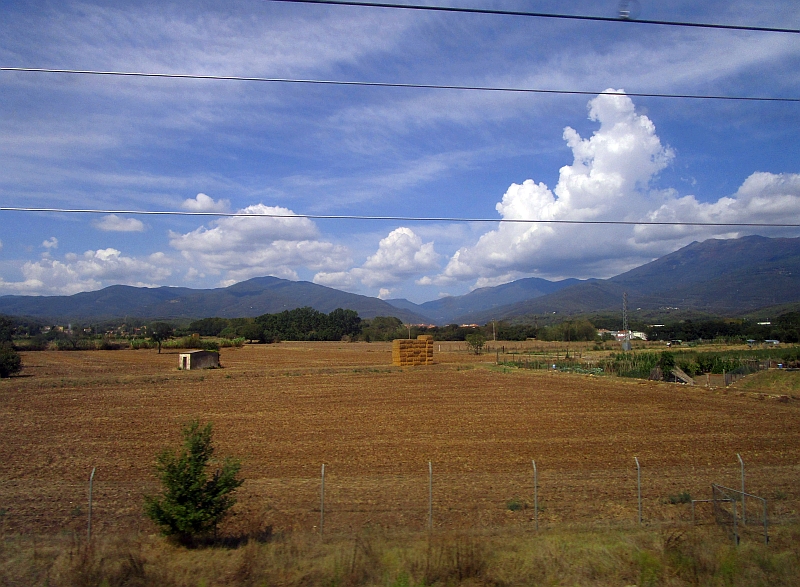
<point x="641" y="364"/>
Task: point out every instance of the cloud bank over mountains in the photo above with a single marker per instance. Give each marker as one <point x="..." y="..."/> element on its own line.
<point x="90" y="271"/>
<point x="238" y="248"/>
<point x="400" y="256"/>
<point x="611" y="177"/>
<point x="610" y="180"/>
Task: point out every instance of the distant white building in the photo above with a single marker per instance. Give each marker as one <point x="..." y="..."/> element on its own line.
<point x="619" y="335"/>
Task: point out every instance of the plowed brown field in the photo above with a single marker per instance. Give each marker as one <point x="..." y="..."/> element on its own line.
<point x="285" y="409"/>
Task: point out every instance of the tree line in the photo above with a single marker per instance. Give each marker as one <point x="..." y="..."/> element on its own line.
<point x="785" y="328"/>
<point x="308" y="324"/>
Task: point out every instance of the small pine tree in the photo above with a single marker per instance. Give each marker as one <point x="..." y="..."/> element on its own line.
<point x="192" y="504"/>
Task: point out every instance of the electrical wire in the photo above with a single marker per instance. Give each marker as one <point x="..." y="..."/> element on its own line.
<point x="704" y="25"/>
<point x="398" y="218"/>
<point x="391" y="84"/>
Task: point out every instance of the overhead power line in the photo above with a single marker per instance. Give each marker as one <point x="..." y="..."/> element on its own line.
<point x="704" y="25"/>
<point x="391" y="84"/>
<point x="398" y="218"/>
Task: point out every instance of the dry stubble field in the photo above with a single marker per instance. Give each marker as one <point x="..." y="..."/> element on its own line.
<point x="285" y="409"/>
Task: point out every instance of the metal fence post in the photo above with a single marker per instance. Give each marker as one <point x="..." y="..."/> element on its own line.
<point x="91" y="483"/>
<point x="639" y="487"/>
<point x="322" y="502"/>
<point x="535" y="497"/>
<point x="744" y="514"/>
<point x="430" y="496"/>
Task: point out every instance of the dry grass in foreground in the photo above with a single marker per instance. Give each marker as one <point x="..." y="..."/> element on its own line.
<point x="666" y="556"/>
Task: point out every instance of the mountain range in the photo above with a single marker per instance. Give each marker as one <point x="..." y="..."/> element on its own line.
<point x="730" y="277"/>
<point x="723" y="277"/>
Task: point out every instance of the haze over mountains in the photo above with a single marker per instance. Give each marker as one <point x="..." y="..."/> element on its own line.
<point x="726" y="277"/>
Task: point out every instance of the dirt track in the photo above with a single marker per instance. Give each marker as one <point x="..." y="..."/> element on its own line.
<point x="285" y="409"/>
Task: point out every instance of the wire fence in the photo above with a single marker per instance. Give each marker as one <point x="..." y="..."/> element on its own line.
<point x="438" y="498"/>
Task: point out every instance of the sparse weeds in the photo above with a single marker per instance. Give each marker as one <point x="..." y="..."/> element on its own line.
<point x="682" y="497"/>
<point x="515" y="504"/>
<point x="453" y="560"/>
<point x="682" y="556"/>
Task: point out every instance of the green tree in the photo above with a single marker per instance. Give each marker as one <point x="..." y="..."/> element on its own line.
<point x="209" y="326"/>
<point x="6" y="329"/>
<point x="667" y="363"/>
<point x="341" y="323"/>
<point x="475" y="342"/>
<point x="381" y="328"/>
<point x="252" y="332"/>
<point x="192" y="504"/>
<point x="159" y="332"/>
<point x="10" y="361"/>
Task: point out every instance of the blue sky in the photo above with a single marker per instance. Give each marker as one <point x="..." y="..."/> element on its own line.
<point x="113" y="143"/>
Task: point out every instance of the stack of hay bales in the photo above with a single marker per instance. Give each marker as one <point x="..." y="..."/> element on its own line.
<point x="409" y="352"/>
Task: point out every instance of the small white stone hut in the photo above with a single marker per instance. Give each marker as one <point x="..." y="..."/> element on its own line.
<point x="198" y="360"/>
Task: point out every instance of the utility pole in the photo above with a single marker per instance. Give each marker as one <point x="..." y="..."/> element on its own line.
<point x="626" y="342"/>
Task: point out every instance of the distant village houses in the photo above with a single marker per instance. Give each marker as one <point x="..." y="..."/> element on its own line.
<point x="619" y="335"/>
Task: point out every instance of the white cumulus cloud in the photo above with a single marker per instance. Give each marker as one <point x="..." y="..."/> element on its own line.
<point x="243" y="247"/>
<point x="764" y="198"/>
<point x="610" y="179"/>
<point x="90" y="271"/>
<point x="204" y="203"/>
<point x="401" y="255"/>
<point x="114" y="223"/>
<point x="51" y="243"/>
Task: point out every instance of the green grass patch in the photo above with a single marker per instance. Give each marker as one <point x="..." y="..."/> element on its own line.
<point x="775" y="381"/>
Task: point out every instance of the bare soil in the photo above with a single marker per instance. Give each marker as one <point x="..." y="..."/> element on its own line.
<point x="286" y="409"/>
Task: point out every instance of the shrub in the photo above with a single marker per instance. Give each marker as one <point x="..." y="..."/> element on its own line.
<point x="140" y="343"/>
<point x="191" y="342"/>
<point x="191" y="503"/>
<point x="682" y="497"/>
<point x="515" y="504"/>
<point x="475" y="342"/>
<point x="10" y="361"/>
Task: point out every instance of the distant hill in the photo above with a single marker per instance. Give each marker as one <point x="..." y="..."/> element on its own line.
<point x="110" y="302"/>
<point x="461" y="309"/>
<point x="261" y="295"/>
<point x="725" y="277"/>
